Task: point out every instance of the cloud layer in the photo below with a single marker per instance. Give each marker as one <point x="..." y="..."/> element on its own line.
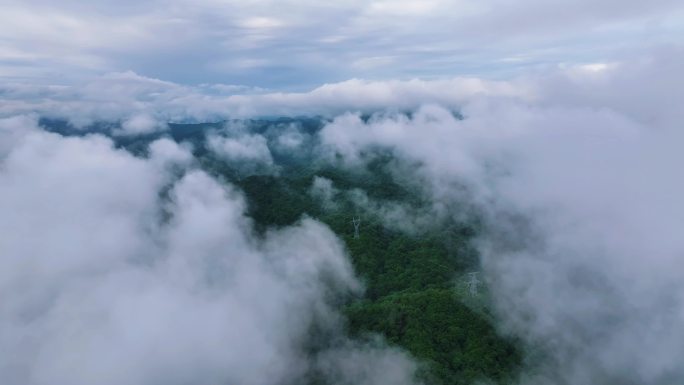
<point x="300" y="43"/>
<point x="572" y="171"/>
<point x="115" y="270"/>
<point x="579" y="191"/>
<point x="647" y="82"/>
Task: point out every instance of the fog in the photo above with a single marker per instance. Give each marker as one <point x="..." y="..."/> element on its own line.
<point x="581" y="200"/>
<point x="123" y="270"/>
<point x="116" y="269"/>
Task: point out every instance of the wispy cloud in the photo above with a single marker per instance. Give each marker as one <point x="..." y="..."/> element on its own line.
<point x="116" y="270"/>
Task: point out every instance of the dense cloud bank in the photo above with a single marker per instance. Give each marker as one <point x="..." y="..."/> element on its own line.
<point x="581" y="198"/>
<point x="123" y="270"/>
<point x="642" y="86"/>
<point x="117" y="270"/>
<point x="143" y="104"/>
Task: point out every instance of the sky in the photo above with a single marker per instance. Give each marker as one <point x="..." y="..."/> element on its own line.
<point x="297" y="45"/>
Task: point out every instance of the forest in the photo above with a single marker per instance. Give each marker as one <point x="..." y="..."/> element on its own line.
<point x="415" y="275"/>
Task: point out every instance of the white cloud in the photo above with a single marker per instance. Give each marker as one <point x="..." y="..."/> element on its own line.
<point x="165" y="152"/>
<point x="13" y="130"/>
<point x="369" y="364"/>
<point x="139" y="124"/>
<point x="109" y="277"/>
<point x="114" y="271"/>
<point x="574" y="172"/>
<point x="395" y="215"/>
<point x="290" y="139"/>
<point x="128" y="97"/>
<point x="322" y="190"/>
<point x="141" y="103"/>
<point x="247" y="147"/>
<point x="578" y="189"/>
<point x="262" y="23"/>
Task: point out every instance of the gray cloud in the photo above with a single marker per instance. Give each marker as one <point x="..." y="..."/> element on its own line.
<point x="324" y="192"/>
<point x="579" y="192"/>
<point x="249" y="150"/>
<point x="245" y="42"/>
<point x="141" y="104"/>
<point x="105" y="279"/>
<point x="573" y="171"/>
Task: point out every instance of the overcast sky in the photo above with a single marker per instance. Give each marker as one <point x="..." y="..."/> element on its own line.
<point x="296" y="45"/>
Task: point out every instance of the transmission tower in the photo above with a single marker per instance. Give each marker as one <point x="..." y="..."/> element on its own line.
<point x="472" y="283"/>
<point x="357" y="222"/>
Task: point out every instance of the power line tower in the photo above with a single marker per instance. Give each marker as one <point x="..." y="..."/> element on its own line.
<point x="472" y="283"/>
<point x="357" y="222"/>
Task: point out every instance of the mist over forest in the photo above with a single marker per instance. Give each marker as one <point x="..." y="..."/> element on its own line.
<point x="357" y="193"/>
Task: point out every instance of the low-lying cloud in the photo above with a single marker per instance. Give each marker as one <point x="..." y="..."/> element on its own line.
<point x="581" y="202"/>
<point x="116" y="270"/>
<point x="141" y="104"/>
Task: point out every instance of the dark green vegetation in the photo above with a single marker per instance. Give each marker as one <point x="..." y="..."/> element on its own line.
<point x="411" y="292"/>
<point x="413" y="296"/>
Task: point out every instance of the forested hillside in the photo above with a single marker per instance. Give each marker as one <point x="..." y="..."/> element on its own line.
<point x="415" y="273"/>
